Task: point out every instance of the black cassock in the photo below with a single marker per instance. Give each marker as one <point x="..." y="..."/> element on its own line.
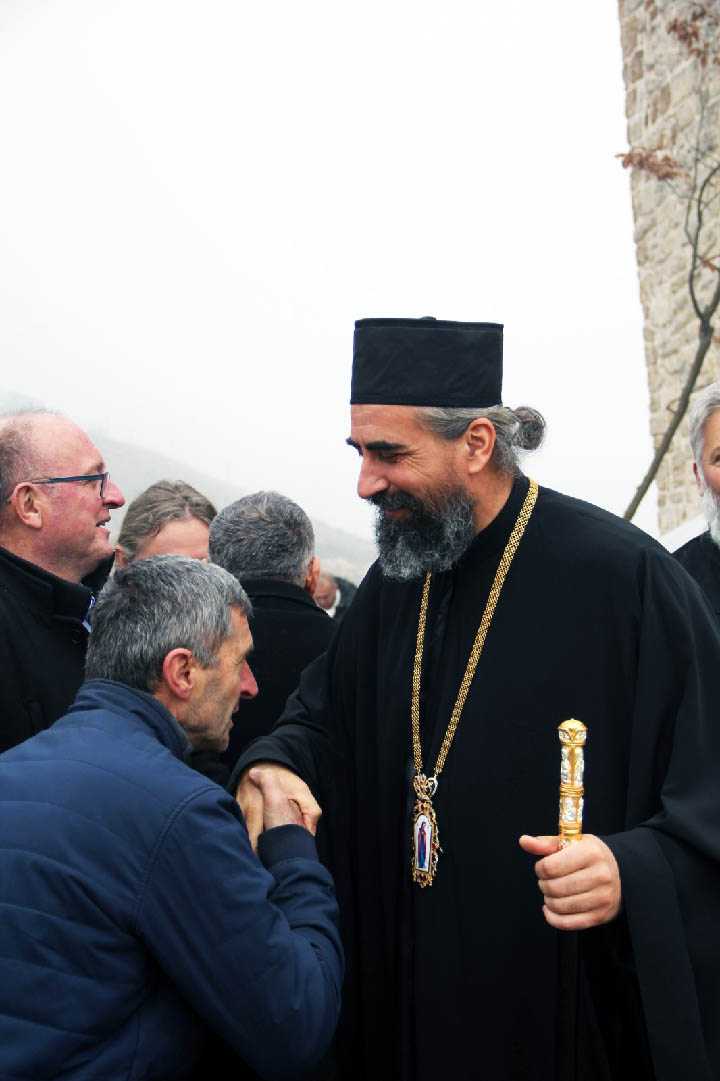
<point x="465" y="979"/>
<point x="701" y="559"/>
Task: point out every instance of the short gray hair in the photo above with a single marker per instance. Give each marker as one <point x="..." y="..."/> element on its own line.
<point x="18" y="456"/>
<point x="155" y="605"/>
<point x="515" y="430"/>
<point x="263" y="535"/>
<point x="165" y="501"/>
<point x="707" y="402"/>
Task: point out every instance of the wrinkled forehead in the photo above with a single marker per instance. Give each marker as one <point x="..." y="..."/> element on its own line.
<point x="384" y="423"/>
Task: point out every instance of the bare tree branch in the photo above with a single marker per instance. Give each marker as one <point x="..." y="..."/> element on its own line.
<point x="706" y="338"/>
<point x="709" y="311"/>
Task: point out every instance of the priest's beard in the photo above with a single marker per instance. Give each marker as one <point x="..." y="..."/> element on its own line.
<point x="711" y="510"/>
<point x="438" y="531"/>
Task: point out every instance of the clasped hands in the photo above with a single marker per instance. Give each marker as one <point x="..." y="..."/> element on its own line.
<point x="271" y="795"/>
<point x="580" y="884"/>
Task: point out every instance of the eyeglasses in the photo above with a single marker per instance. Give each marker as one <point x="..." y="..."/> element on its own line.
<point x="102" y="477"/>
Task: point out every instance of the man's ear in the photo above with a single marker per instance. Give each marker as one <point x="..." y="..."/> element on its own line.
<point x="698" y="478"/>
<point x="26" y="501"/>
<point x="121" y="559"/>
<point x="479" y="443"/>
<point x="178" y="673"/>
<point x="311" y="578"/>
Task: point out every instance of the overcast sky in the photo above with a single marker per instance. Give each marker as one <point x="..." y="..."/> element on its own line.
<point x="198" y="200"/>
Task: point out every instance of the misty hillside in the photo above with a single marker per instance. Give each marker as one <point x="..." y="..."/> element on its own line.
<point x="134" y="468"/>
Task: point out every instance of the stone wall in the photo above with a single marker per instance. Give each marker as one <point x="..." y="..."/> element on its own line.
<point x="662" y="104"/>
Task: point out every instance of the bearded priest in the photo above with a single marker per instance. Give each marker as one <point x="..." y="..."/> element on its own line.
<point x="476" y="946"/>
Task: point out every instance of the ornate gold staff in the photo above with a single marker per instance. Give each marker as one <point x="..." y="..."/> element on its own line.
<point x="572" y="735"/>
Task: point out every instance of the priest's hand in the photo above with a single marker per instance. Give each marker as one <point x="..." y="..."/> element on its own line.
<point x="249" y="796"/>
<point x="278" y="810"/>
<point x="580" y="883"/>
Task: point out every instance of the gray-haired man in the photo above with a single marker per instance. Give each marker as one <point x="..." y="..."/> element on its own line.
<point x="267" y="542"/>
<point x="56" y="498"/>
<point x="134" y="912"/>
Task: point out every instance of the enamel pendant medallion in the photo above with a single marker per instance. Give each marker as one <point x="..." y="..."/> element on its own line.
<point x="425" y="846"/>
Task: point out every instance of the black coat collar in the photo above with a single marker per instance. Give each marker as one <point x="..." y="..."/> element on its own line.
<point x="42" y="590"/>
<point x="274" y="587"/>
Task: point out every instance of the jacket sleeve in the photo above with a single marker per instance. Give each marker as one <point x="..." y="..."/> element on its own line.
<point x="254" y="949"/>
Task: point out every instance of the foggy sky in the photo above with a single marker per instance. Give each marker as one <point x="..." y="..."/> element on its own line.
<point x="200" y="199"/>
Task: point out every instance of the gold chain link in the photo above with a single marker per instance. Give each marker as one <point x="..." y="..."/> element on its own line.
<point x="500" y="575"/>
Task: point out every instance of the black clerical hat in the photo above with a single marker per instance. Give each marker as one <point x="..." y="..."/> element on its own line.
<point x="427" y="361"/>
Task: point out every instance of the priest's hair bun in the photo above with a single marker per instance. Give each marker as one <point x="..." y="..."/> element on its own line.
<point x="530" y="429"/>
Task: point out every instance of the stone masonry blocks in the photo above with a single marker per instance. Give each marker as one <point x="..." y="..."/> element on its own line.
<point x="662" y="109"/>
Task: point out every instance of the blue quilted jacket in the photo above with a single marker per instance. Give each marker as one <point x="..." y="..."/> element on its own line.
<point x="133" y="911"/>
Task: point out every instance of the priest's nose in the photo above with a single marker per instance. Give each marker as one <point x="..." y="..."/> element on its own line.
<point x="371" y="479"/>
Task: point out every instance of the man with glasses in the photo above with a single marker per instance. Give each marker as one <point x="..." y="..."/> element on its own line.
<point x="55" y="504"/>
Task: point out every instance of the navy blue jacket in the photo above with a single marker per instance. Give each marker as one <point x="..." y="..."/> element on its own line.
<point x="133" y="911"/>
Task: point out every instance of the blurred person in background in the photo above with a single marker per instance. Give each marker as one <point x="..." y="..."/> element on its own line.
<point x="267" y="542"/>
<point x="334" y="594"/>
<point x="168" y="518"/>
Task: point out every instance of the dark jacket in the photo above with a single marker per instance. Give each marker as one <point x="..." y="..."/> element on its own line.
<point x="701" y="558"/>
<point x="289" y="631"/>
<point x="42" y="647"/>
<point x="346" y="593"/>
<point x="133" y="910"/>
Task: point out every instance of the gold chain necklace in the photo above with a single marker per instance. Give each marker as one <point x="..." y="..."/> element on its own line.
<point x="426" y="847"/>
